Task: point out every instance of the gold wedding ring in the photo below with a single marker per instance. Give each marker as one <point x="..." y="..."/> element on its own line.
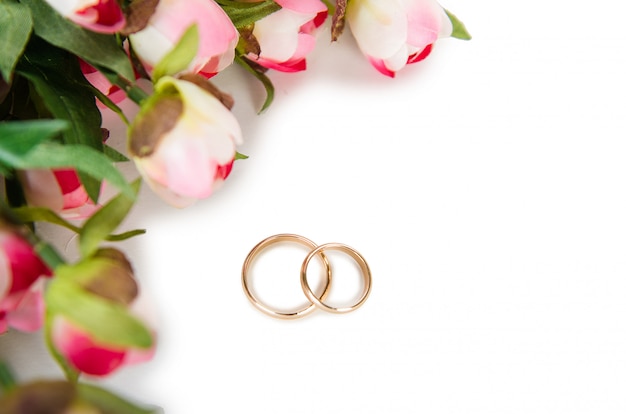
<point x="315" y="300"/>
<point x="365" y="271"/>
<point x="279" y="238"/>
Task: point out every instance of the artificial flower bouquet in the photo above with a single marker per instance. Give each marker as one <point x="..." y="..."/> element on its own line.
<point x="62" y="63"/>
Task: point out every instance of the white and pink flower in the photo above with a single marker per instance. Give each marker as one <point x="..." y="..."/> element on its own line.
<point x="184" y="142"/>
<point x="103" y="16"/>
<point x="59" y="190"/>
<point x="21" y="273"/>
<point x="217" y="35"/>
<point x="287" y="36"/>
<point x="394" y="33"/>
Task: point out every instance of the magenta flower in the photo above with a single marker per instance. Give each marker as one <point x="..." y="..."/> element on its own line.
<point x="59" y="190"/>
<point x="90" y="356"/>
<point x="21" y="303"/>
<point x="103" y="16"/>
<point x="394" y="33"/>
<point x="286" y="37"/>
<point x="184" y="142"/>
<point x="104" y="290"/>
<point x="217" y="35"/>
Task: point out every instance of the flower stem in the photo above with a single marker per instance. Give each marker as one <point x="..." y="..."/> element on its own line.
<point x="48" y="254"/>
<point x="136" y="94"/>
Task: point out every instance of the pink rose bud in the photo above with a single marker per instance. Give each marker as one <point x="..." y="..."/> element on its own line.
<point x="217" y="35"/>
<point x="89" y="356"/>
<point x="59" y="190"/>
<point x="108" y="279"/>
<point x="183" y="141"/>
<point x="394" y="33"/>
<point x="286" y="37"/>
<point x="21" y="304"/>
<point x="103" y="16"/>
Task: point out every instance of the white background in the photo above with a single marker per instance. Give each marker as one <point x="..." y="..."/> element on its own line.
<point x="486" y="188"/>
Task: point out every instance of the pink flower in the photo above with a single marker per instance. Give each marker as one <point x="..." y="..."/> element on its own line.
<point x="394" y="33"/>
<point x="59" y="190"/>
<point x="218" y="36"/>
<point x="286" y="36"/>
<point x="184" y="142"/>
<point x="103" y="16"/>
<point x="106" y="292"/>
<point x="88" y="355"/>
<point x="21" y="303"/>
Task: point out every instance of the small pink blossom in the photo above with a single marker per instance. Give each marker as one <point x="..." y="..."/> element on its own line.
<point x="21" y="270"/>
<point x="217" y="35"/>
<point x="286" y="37"/>
<point x="394" y="33"/>
<point x="103" y="16"/>
<point x="59" y="190"/>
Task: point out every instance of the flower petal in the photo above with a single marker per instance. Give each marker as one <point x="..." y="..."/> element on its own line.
<point x="277" y="34"/>
<point x="427" y="21"/>
<point x="379" y="26"/>
<point x="41" y="189"/>
<point x="27" y="315"/>
<point x="83" y="352"/>
<point x="303" y="6"/>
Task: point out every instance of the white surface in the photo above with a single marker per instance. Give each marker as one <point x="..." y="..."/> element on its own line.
<point x="486" y="189"/>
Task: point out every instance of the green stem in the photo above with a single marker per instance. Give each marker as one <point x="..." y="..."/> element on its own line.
<point x="7" y="380"/>
<point x="48" y="254"/>
<point x="136" y="94"/>
<point x="133" y="91"/>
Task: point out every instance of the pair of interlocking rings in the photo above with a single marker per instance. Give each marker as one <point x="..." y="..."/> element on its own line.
<point x="315" y="301"/>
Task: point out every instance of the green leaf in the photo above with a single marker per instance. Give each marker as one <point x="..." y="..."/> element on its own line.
<point x="19" y="137"/>
<point x="114" y="155"/>
<point x="267" y="83"/>
<point x="106" y="101"/>
<point x="108" y="402"/>
<point x="42" y="214"/>
<point x="458" y="28"/>
<point x="16" y="26"/>
<point x="126" y="235"/>
<point x="240" y="156"/>
<point x="108" y="322"/>
<point x="95" y="48"/>
<point x="57" y="78"/>
<point x="244" y="14"/>
<point x="80" y="157"/>
<point x="98" y="227"/>
<point x="177" y="59"/>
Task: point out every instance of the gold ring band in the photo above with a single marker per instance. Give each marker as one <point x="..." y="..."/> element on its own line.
<point x="279" y="238"/>
<point x="365" y="271"/>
